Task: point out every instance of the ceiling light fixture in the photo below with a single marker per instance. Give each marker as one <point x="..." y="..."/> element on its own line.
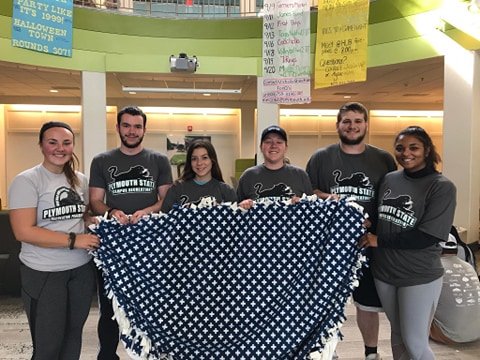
<point x="53" y="90"/>
<point x="181" y="90"/>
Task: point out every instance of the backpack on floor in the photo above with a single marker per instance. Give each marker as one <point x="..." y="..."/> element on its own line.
<point x="464" y="251"/>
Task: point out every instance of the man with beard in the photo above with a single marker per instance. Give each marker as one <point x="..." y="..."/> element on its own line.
<point x="352" y="168"/>
<point x="126" y="183"/>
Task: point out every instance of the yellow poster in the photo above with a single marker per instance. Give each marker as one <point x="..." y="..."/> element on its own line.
<point x="342" y="40"/>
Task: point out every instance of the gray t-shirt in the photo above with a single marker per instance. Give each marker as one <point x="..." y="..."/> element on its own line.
<point x="427" y="204"/>
<point x="351" y="175"/>
<point x="284" y="183"/>
<point x="130" y="181"/>
<point x="190" y="192"/>
<point x="458" y="310"/>
<point x="59" y="208"/>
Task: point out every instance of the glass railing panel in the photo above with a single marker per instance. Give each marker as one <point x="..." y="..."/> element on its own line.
<point x="178" y="8"/>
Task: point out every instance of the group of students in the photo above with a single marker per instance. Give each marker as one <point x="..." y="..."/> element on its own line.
<point x="409" y="211"/>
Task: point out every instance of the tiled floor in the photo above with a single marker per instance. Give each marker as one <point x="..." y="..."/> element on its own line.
<point x="15" y="337"/>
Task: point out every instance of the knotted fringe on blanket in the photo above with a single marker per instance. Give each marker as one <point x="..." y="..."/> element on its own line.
<point x="221" y="283"/>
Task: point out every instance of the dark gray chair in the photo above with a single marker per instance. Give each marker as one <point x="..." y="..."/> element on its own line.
<point x="9" y="262"/>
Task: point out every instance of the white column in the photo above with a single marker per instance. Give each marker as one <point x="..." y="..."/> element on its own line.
<point x="461" y="131"/>
<point x="94" y="116"/>
<point x="248" y="7"/>
<point x="126" y="5"/>
<point x="267" y="114"/>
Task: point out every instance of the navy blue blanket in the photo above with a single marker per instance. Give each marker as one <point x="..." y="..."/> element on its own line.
<point x="219" y="283"/>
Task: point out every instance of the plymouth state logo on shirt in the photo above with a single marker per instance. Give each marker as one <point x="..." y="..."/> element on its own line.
<point x="397" y="210"/>
<point x="68" y="205"/>
<point x="135" y="180"/>
<point x="357" y="184"/>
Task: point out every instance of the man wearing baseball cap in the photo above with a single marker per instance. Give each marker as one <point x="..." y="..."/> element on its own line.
<point x="274" y="179"/>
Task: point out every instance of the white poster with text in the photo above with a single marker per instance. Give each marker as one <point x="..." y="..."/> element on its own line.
<point x="286" y="52"/>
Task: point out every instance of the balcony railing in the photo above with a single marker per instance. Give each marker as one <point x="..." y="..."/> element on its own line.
<point x="179" y="8"/>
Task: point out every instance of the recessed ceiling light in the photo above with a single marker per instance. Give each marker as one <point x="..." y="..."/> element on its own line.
<point x="345" y="94"/>
<point x="53" y="90"/>
<point x="181" y="90"/>
<point x="347" y="97"/>
<point x="132" y="92"/>
<point x="207" y="94"/>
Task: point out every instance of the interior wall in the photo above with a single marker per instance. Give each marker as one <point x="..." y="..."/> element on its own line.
<point x="307" y="133"/>
<point x="384" y="126"/>
<point x="22" y="124"/>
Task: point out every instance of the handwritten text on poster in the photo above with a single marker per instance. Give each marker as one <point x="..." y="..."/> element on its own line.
<point x="43" y="25"/>
<point x="342" y="41"/>
<point x="286" y="52"/>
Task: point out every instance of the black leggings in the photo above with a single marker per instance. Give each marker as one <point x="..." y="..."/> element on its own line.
<point x="57" y="305"/>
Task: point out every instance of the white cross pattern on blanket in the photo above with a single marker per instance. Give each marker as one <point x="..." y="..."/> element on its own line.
<point x="220" y="283"/>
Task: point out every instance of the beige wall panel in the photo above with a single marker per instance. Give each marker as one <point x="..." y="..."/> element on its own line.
<point x="24" y="120"/>
<point x="300" y="148"/>
<point x="382" y="141"/>
<point x="22" y="153"/>
<point x="384" y="125"/>
<point x="328" y="123"/>
<point x="180" y="122"/>
<point x="300" y="124"/>
<point x="72" y="119"/>
<point x="227" y="152"/>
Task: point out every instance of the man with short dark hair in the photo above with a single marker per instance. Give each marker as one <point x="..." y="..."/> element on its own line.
<point x="126" y="183"/>
<point x="352" y="168"/>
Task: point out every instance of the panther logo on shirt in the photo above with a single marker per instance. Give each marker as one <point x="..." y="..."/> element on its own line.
<point x="357" y="179"/>
<point x="402" y="202"/>
<point x="357" y="185"/>
<point x="278" y="190"/>
<point x="135" y="172"/>
<point x="66" y="196"/>
<point x="397" y="210"/>
<point x="204" y="200"/>
<point x="68" y="205"/>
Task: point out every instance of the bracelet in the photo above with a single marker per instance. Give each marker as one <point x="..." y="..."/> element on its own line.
<point x="71" y="240"/>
